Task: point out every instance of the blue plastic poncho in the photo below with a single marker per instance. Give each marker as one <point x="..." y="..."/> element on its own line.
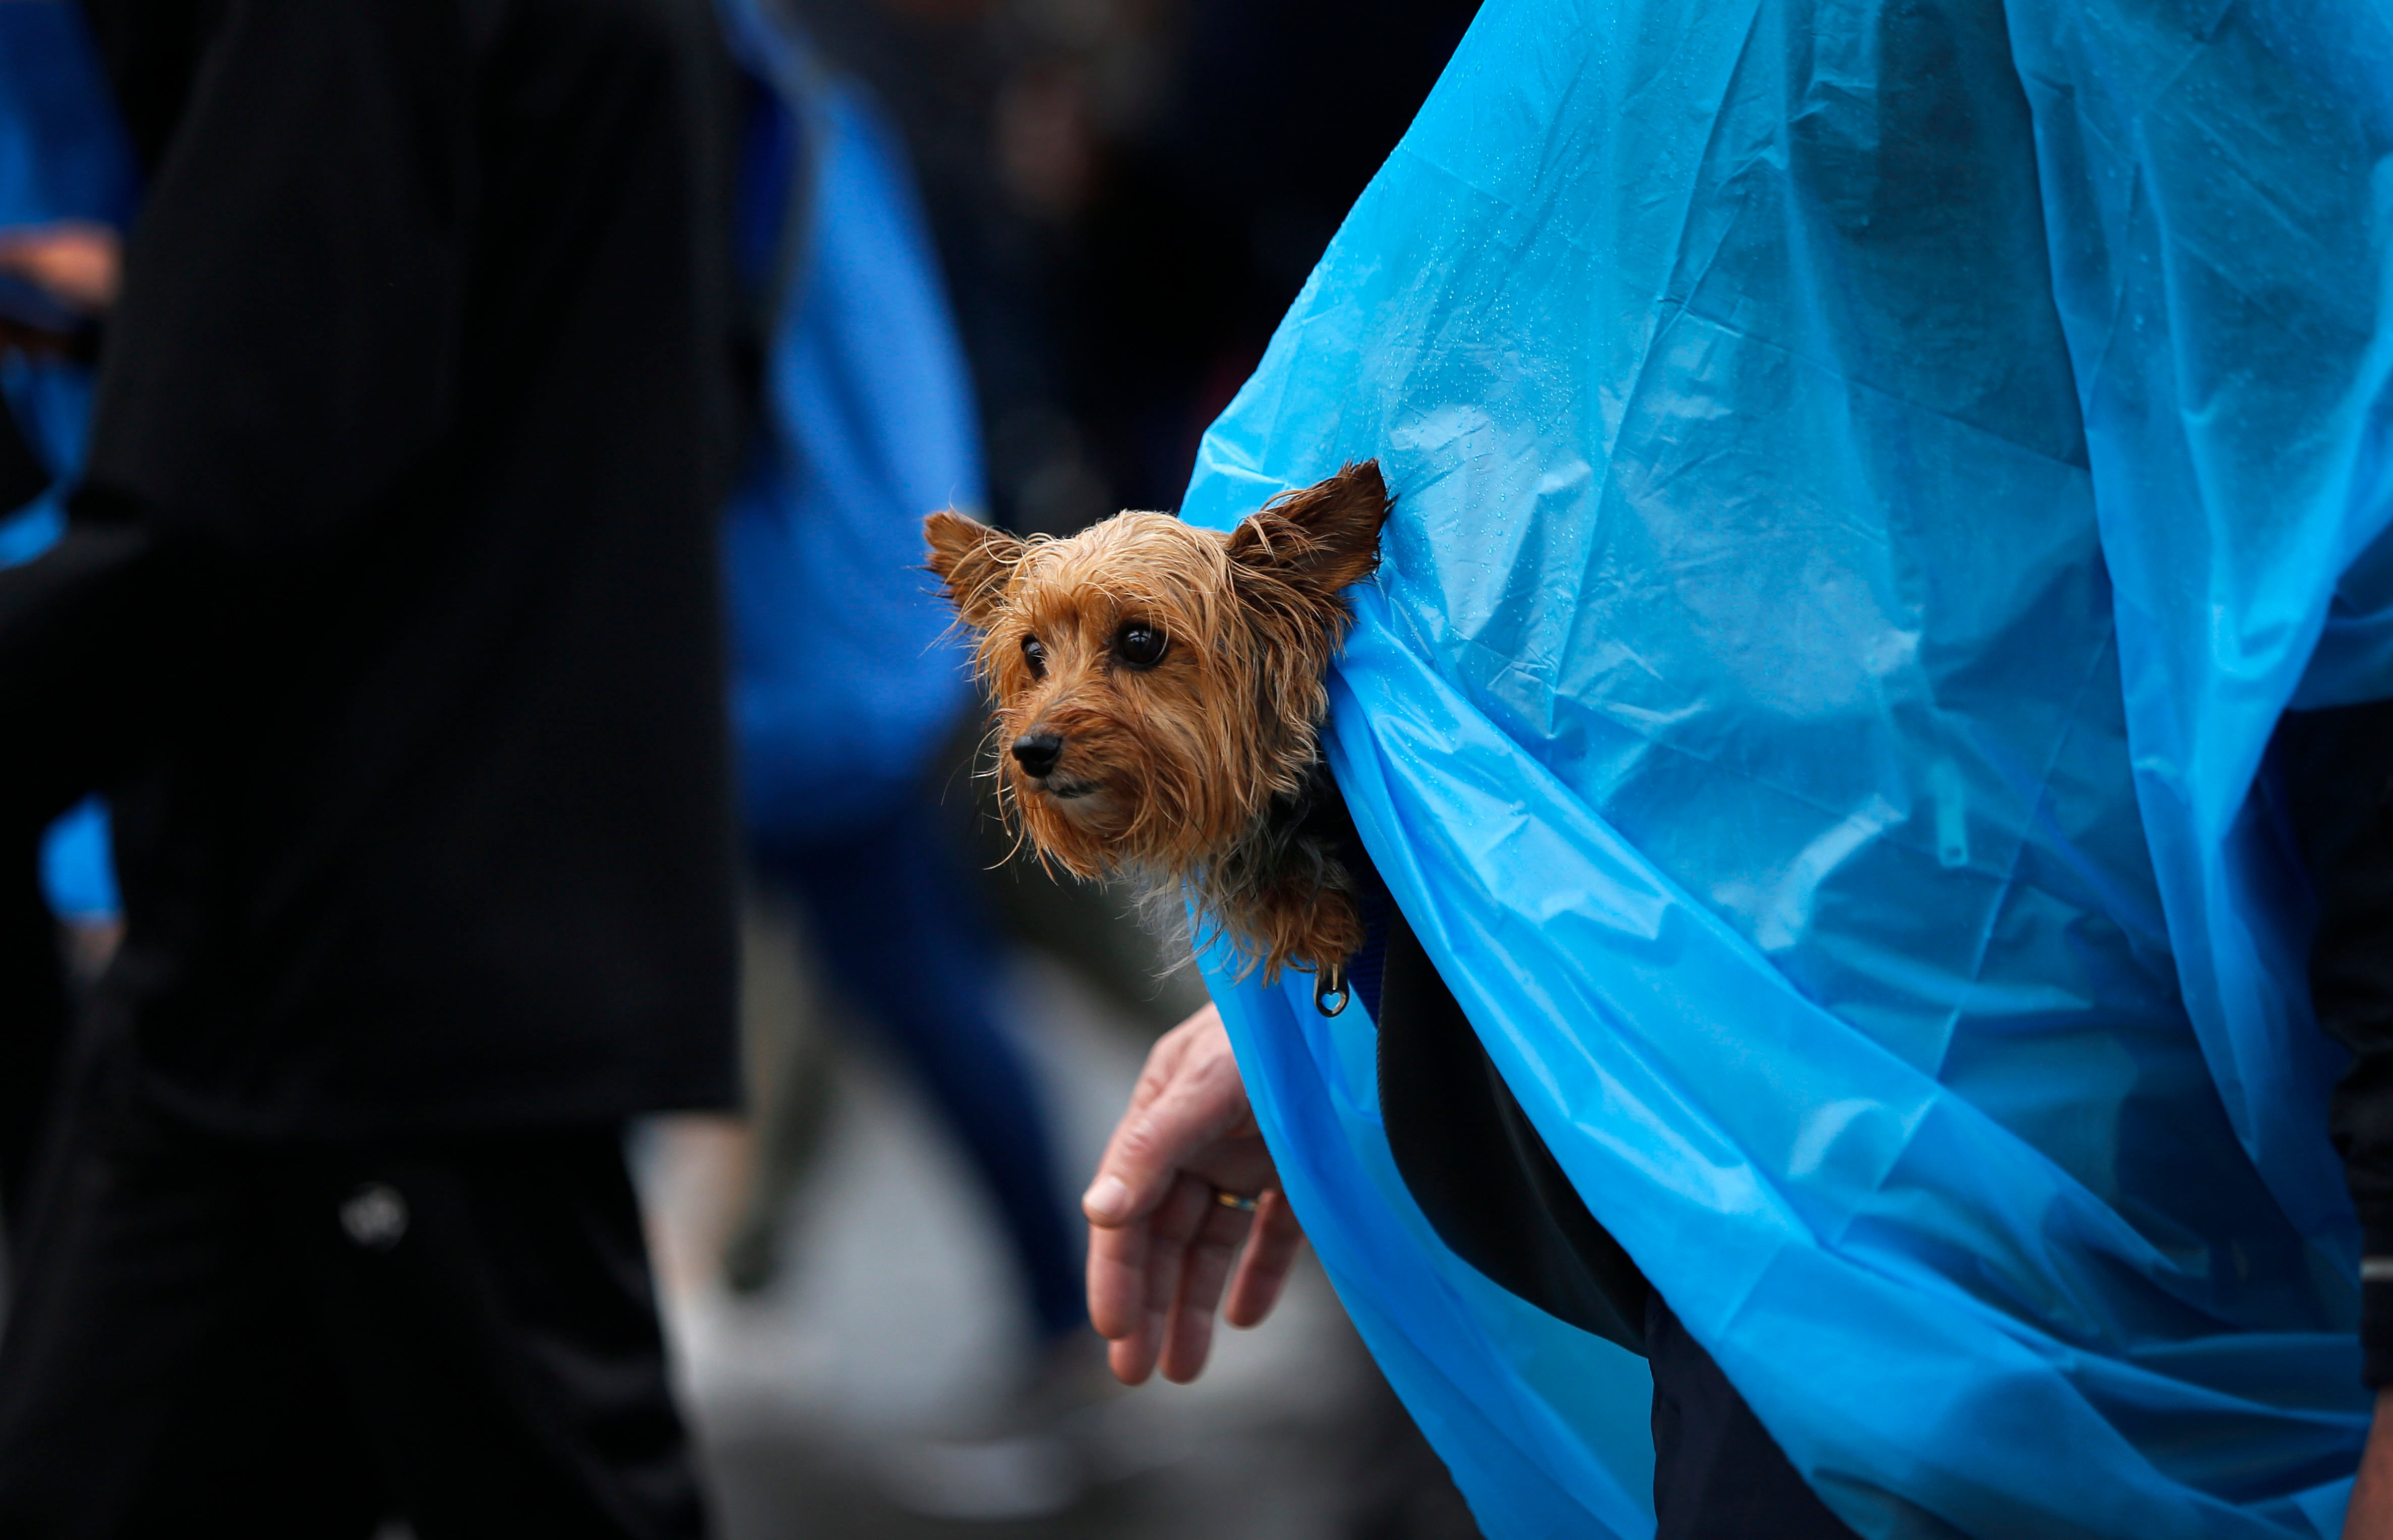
<point x="844" y="680"/>
<point x="1870" y="474"/>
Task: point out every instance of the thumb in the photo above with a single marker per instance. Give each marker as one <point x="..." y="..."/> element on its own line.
<point x="1204" y="1100"/>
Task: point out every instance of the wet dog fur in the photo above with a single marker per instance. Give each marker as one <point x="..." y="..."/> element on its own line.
<point x="1159" y="695"/>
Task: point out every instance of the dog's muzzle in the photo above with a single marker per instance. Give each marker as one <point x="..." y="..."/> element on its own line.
<point x="1036" y="753"/>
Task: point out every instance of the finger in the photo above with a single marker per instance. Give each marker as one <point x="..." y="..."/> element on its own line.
<point x="1132" y="1359"/>
<point x="1204" y="1100"/>
<point x="1136" y="1339"/>
<point x="1169" y="1234"/>
<point x="1167" y="1231"/>
<point x="1262" y="1272"/>
<point x="1133" y="1356"/>
<point x="1163" y="1059"/>
<point x="1189" y="1336"/>
<point x="1117" y="1279"/>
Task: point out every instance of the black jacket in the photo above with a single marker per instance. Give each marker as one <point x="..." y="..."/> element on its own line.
<point x="389" y="614"/>
<point x="2333" y="771"/>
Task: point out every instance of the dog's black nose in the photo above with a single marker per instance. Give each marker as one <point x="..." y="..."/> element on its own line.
<point x="1036" y="753"/>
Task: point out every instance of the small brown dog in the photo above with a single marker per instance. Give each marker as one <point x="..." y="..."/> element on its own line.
<point x="1159" y="701"/>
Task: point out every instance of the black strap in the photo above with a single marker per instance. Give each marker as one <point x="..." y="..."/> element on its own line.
<point x="1477" y="1166"/>
<point x="2334" y="771"/>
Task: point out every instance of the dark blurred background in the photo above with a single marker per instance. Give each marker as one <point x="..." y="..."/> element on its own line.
<point x="1126" y="196"/>
<point x="874" y="1310"/>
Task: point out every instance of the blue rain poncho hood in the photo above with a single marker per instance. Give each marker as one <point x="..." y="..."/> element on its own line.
<point x="1869" y="476"/>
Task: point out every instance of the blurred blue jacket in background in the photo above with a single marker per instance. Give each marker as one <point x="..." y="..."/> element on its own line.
<point x="844" y="680"/>
<point x="1869" y="476"/>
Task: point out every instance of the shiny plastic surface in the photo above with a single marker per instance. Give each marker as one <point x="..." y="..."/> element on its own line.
<point x="1869" y="476"/>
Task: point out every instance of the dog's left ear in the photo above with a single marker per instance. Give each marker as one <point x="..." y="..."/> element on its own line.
<point x="976" y="561"/>
<point x="1324" y="537"/>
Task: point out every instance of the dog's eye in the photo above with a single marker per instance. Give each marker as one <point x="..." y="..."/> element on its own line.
<point x="1036" y="656"/>
<point x="1140" y="645"/>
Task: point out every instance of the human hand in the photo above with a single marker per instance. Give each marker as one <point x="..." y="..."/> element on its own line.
<point x="74" y="261"/>
<point x="1162" y="1246"/>
<point x="67" y="276"/>
<point x="2369" y="1517"/>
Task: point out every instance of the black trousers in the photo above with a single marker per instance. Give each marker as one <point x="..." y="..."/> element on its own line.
<point x="1718" y="1474"/>
<point x="1496" y="1194"/>
<point x="296" y="1342"/>
<point x="33" y="1018"/>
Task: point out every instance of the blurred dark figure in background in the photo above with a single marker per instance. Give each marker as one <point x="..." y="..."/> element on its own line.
<point x="1127" y="195"/>
<point x="388" y="613"/>
<point x="66" y="190"/>
<point x="845" y="684"/>
<point x="33" y="984"/>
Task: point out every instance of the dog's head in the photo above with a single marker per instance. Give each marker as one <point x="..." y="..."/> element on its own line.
<point x="1157" y="685"/>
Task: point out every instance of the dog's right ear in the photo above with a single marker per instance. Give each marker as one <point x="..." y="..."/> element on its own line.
<point x="1321" y="536"/>
<point x="975" y="561"/>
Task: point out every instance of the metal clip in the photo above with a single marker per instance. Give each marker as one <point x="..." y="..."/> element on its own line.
<point x="1330" y="992"/>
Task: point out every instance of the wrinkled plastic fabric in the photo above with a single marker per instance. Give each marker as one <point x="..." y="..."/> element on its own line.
<point x="844" y="678"/>
<point x="63" y="155"/>
<point x="1869" y="477"/>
